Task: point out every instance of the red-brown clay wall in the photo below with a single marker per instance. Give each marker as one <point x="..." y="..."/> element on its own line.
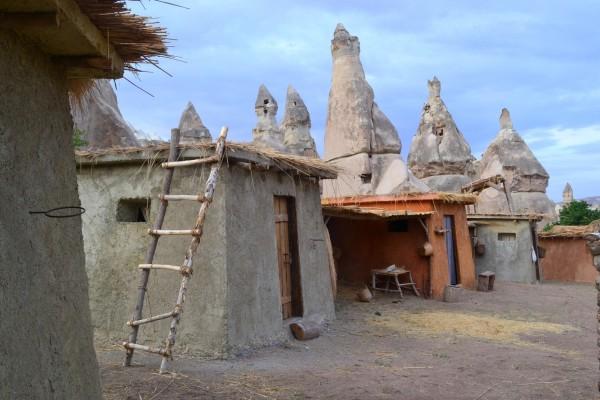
<point x="567" y="260"/>
<point x="367" y="244"/>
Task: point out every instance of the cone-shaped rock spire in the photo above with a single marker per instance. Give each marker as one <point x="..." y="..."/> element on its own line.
<point x="359" y="138"/>
<point x="509" y="156"/>
<point x="267" y="133"/>
<point x="567" y="194"/>
<point x="296" y="126"/>
<point x="191" y="126"/>
<point x="438" y="148"/>
<point x="98" y="116"/>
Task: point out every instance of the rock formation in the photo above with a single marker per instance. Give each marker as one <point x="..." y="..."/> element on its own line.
<point x="267" y="133"/>
<point x="439" y="153"/>
<point x="97" y="115"/>
<point x="567" y="194"/>
<point x="191" y="127"/>
<point x="359" y="138"/>
<point x="295" y="126"/>
<point x="509" y="156"/>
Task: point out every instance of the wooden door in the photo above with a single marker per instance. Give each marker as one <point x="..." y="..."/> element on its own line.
<point x="451" y="250"/>
<point x="287" y="258"/>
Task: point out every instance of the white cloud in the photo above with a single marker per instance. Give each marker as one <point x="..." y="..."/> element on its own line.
<point x="570" y="155"/>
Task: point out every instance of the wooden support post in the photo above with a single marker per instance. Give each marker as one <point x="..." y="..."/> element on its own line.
<point x="188" y="262"/>
<point x="145" y="273"/>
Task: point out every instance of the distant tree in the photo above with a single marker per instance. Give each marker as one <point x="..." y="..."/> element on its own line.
<point x="78" y="136"/>
<point x="577" y="213"/>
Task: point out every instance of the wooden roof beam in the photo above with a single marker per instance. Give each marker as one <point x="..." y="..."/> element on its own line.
<point x="92" y="34"/>
<point x="12" y="20"/>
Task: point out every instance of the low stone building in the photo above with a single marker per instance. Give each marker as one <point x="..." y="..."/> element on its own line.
<point x="506" y="245"/>
<point x="425" y="233"/>
<point x="236" y="298"/>
<point x="566" y="257"/>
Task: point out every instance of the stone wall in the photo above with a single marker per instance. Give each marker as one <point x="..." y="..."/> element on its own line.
<point x="46" y="350"/>
<point x="510" y="257"/>
<point x="233" y="298"/>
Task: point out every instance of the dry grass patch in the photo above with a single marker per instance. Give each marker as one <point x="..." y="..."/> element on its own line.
<point x="481" y="326"/>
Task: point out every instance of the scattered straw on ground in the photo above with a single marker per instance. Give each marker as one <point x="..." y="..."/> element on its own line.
<point x="479" y="326"/>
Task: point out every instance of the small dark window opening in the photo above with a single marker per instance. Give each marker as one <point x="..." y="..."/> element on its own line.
<point x="366" y="178"/>
<point x="266" y="101"/>
<point x="266" y="112"/>
<point x="507" y="236"/>
<point x="133" y="210"/>
<point x="439" y="132"/>
<point x="399" y="225"/>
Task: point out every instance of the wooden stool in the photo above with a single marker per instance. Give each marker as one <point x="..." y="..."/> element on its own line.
<point x="485" y="281"/>
<point x="393" y="276"/>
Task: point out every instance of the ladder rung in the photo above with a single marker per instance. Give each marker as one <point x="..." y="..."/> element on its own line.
<point x="178" y="197"/>
<point x="155" y="350"/>
<point x="152" y="319"/>
<point x="186" y="163"/>
<point x="182" y="270"/>
<point x="174" y="232"/>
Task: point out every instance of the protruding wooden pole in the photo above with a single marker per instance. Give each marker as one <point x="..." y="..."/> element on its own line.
<point x="145" y="273"/>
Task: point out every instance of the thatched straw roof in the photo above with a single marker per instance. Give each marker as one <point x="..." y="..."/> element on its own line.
<point x="573" y="232"/>
<point x="370" y="212"/>
<point x="444" y="197"/>
<point x="259" y="157"/>
<point x="136" y="39"/>
<point x="91" y="38"/>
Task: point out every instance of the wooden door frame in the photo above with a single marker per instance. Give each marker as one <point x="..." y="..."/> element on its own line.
<point x="454" y="249"/>
<point x="295" y="270"/>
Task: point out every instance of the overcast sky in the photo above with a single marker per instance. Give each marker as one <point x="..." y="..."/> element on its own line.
<point x="540" y="59"/>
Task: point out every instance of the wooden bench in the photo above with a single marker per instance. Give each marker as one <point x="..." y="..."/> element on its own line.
<point x="392" y="276"/>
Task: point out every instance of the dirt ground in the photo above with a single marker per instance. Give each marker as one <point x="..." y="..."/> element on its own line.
<point x="518" y="342"/>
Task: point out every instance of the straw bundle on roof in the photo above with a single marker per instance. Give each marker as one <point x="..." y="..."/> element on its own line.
<point x="135" y="38"/>
<point x="567" y="231"/>
<point x="303" y="165"/>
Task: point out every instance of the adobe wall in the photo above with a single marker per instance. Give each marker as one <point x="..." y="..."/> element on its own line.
<point x="114" y="249"/>
<point x="46" y="350"/>
<point x="254" y="307"/>
<point x="366" y="245"/>
<point x="567" y="260"/>
<point x="232" y="300"/>
<point x="511" y="260"/>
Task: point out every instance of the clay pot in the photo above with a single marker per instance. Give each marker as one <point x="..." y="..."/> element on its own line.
<point x="364" y="295"/>
<point x="426" y="250"/>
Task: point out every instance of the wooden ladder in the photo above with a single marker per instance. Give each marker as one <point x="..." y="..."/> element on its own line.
<point x="156" y="232"/>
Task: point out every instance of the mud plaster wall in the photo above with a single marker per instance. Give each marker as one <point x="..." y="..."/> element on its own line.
<point x="233" y="298"/>
<point x="511" y="260"/>
<point x="366" y="245"/>
<point x="46" y="350"/>
<point x="567" y="260"/>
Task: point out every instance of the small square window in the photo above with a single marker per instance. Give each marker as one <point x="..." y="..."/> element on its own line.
<point x="507" y="236"/>
<point x="133" y="210"/>
<point x="399" y="225"/>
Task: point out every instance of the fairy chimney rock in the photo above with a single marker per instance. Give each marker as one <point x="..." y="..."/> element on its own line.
<point x="359" y="137"/>
<point x="508" y="155"/>
<point x="505" y="121"/>
<point x="439" y="153"/>
<point x="98" y="116"/>
<point x="267" y="133"/>
<point x="191" y="127"/>
<point x="295" y="126"/>
<point x="567" y="194"/>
